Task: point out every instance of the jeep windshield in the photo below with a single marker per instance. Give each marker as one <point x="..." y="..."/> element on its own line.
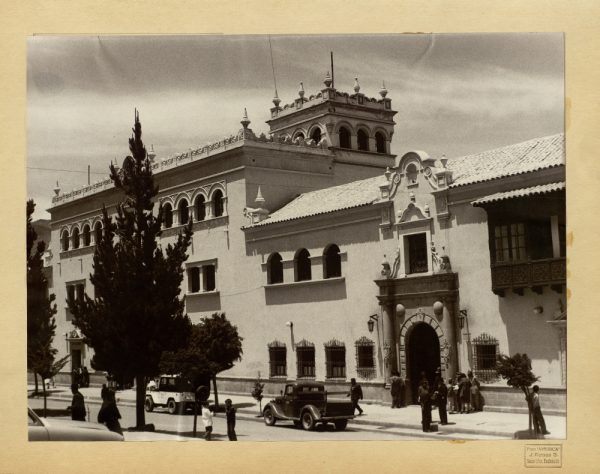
<point x="176" y="385"/>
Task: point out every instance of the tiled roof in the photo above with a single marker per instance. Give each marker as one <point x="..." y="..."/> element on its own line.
<point x="523" y="192"/>
<point x="532" y="155"/>
<point x="323" y="201"/>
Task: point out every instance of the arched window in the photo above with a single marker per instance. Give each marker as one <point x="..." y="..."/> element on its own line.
<point x="380" y="142"/>
<point x="86" y="235"/>
<point x="217" y="203"/>
<point x="98" y="232"/>
<point x="168" y="215"/>
<point x="183" y="212"/>
<point x="200" y="208"/>
<point x="302" y="265"/>
<point x="332" y="261"/>
<point x="298" y="135"/>
<point x="411" y="173"/>
<point x="64" y="241"/>
<point x="363" y="140"/>
<point x="344" y="137"/>
<point x="274" y="269"/>
<point x="75" y="238"/>
<point x="316" y="135"/>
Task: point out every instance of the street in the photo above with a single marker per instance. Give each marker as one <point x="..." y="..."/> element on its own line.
<point x="247" y="428"/>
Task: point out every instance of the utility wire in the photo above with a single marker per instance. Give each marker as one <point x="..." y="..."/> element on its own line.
<point x="65" y="171"/>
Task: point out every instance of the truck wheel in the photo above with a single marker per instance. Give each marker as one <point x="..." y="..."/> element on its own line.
<point x="340" y="425"/>
<point x="308" y="421"/>
<point x="172" y="406"/>
<point x="269" y="417"/>
<point x="148" y="404"/>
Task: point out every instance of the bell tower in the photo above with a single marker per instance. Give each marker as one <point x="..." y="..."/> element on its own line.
<point x="354" y="126"/>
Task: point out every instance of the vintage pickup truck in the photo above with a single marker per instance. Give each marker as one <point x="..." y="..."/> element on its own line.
<point x="306" y="404"/>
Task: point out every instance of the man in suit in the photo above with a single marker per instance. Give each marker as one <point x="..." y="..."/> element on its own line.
<point x="355" y="395"/>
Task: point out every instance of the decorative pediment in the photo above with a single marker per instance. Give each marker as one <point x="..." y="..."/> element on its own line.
<point x="275" y="343"/>
<point x="413" y="213"/>
<point x="334" y="343"/>
<point x="305" y="343"/>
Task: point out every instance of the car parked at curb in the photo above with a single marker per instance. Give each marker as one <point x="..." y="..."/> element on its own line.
<point x="306" y="404"/>
<point x="173" y="392"/>
<point x="55" y="429"/>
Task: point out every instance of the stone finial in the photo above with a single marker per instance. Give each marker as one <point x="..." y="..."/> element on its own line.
<point x="383" y="91"/>
<point x="57" y="189"/>
<point x="301" y="91"/>
<point x="245" y="121"/>
<point x="387" y="173"/>
<point x="259" y="200"/>
<point x="276" y="99"/>
<point x="327" y="80"/>
<point x="151" y="153"/>
<point x="356" y="85"/>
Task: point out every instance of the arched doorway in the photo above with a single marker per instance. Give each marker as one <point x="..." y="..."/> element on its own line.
<point x="423" y="355"/>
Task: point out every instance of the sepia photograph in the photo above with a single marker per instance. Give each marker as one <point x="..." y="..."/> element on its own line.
<point x="296" y="237"/>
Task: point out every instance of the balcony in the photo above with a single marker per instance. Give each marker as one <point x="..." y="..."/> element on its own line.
<point x="536" y="274"/>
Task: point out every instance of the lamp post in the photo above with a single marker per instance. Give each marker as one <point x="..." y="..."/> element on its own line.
<point x="290" y="324"/>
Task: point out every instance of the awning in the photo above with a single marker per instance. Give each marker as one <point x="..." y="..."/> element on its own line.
<point x="519" y="193"/>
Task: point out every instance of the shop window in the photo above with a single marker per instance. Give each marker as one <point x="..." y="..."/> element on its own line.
<point x="417" y="253"/>
<point x="302" y="265"/>
<point x="217" y="203"/>
<point x="485" y="355"/>
<point x="365" y="358"/>
<point x="305" y="358"/>
<point x="183" y="212"/>
<point x="380" y="142"/>
<point x="98" y="232"/>
<point x="277" y="359"/>
<point x="168" y="215"/>
<point x="274" y="269"/>
<point x="332" y="262"/>
<point x="199" y="204"/>
<point x="335" y="359"/>
<point x="344" y="137"/>
<point x="362" y="139"/>
<point x="64" y="241"/>
<point x="85" y="236"/>
<point x="76" y="239"/>
<point x="316" y="135"/>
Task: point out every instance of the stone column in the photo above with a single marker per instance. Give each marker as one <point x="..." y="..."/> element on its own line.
<point x="389" y="341"/>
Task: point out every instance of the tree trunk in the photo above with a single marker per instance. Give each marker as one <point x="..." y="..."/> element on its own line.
<point x="140" y="397"/>
<point x="35" y="377"/>
<point x="214" y="380"/>
<point x="44" y="391"/>
<point x="529" y="408"/>
<point x="195" y="417"/>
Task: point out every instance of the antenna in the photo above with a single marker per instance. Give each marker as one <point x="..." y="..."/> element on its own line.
<point x="272" y="65"/>
<point x="332" y="76"/>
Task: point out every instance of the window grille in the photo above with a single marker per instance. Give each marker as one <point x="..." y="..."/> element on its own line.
<point x="485" y="355"/>
<point x="277" y="359"/>
<point x="365" y="358"/>
<point x="305" y="357"/>
<point x="335" y="359"/>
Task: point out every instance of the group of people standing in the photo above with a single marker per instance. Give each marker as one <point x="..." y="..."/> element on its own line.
<point x="81" y="377"/>
<point x="207" y="420"/>
<point x="464" y="394"/>
<point x="109" y="413"/>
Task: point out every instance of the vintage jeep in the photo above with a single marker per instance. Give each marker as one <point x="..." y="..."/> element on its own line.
<point x="173" y="392"/>
<point x="306" y="404"/>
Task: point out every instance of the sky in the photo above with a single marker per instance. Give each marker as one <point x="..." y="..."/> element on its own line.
<point x="455" y="94"/>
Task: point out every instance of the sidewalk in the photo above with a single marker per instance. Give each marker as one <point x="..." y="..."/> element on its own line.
<point x="377" y="417"/>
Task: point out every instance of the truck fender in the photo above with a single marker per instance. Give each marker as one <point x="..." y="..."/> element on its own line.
<point x="314" y="411"/>
<point x="276" y="411"/>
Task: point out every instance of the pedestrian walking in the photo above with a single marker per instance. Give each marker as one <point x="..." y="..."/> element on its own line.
<point x="441" y="398"/>
<point x="464" y="393"/>
<point x="425" y="402"/>
<point x="85" y="377"/>
<point x="355" y="395"/>
<point x="475" y="394"/>
<point x="397" y="387"/>
<point x="539" y="424"/>
<point x="207" y="420"/>
<point x="77" y="404"/>
<point x="109" y="413"/>
<point x="230" y="415"/>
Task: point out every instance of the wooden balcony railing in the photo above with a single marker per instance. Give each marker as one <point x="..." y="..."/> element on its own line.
<point x="534" y="274"/>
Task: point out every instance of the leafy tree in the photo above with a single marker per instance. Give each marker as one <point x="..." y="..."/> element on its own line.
<point x="257" y="393"/>
<point x="136" y="313"/>
<point x="516" y="370"/>
<point x="41" y="325"/>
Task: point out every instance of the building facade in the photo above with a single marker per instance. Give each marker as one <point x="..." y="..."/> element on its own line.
<point x="336" y="259"/>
